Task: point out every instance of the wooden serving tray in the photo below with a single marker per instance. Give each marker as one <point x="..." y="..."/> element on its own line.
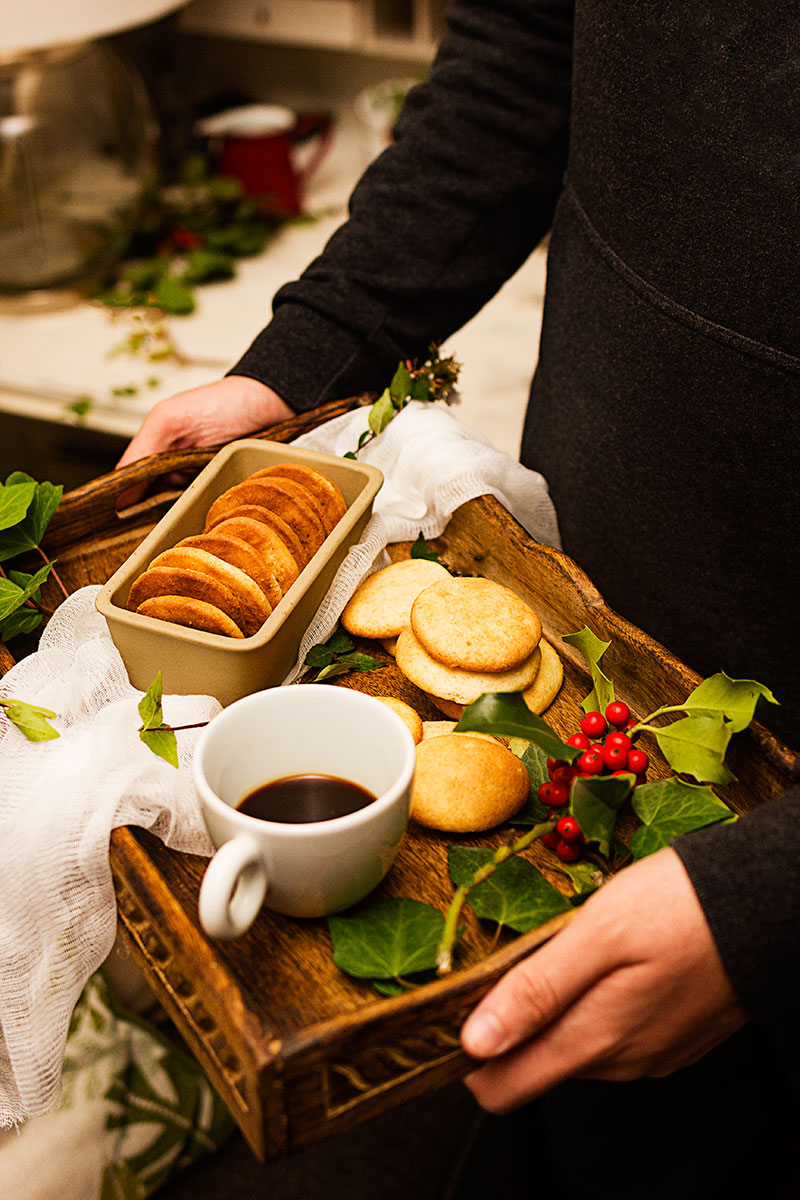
<point x="297" y="1049"/>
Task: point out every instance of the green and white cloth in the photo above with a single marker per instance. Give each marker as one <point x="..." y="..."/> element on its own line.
<point x="135" y="1111"/>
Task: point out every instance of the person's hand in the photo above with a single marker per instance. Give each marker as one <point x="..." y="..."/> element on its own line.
<point x="632" y="986"/>
<point x="207" y="416"/>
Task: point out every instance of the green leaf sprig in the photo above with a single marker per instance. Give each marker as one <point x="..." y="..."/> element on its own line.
<point x="30" y="719"/>
<point x="337" y="656"/>
<point x="156" y="735"/>
<point x="26" y="508"/>
<point x="434" y="379"/>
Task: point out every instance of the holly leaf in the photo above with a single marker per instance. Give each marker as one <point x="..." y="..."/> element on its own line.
<point x="30" y="719"/>
<point x="507" y="714"/>
<point x="387" y="938"/>
<point x="668" y="808"/>
<point x="696" y="746"/>
<point x="516" y="894"/>
<point x="733" y="699"/>
<point x="150" y="706"/>
<point x="162" y="742"/>
<point x="593" y="649"/>
<point x="381" y="413"/>
<point x="534" y="759"/>
<point x="596" y="802"/>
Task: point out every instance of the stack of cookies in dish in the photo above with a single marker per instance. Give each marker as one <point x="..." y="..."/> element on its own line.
<point x="258" y="537"/>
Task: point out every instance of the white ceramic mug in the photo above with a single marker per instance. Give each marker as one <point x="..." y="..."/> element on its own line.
<point x="304" y="870"/>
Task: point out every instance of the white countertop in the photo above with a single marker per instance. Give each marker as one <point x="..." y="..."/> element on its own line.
<point x="49" y="358"/>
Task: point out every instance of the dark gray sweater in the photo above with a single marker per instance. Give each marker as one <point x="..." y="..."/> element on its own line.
<point x="659" y="144"/>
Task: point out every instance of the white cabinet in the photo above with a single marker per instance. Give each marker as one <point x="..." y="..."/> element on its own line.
<point x="402" y="28"/>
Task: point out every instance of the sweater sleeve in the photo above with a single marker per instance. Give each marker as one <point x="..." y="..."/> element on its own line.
<point x="443" y="217"/>
<point x="747" y="878"/>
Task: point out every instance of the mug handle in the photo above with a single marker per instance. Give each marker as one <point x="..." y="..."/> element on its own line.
<point x="233" y="888"/>
<point x="311" y="125"/>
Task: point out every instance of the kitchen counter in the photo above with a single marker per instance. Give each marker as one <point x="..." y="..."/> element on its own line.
<point x="50" y="359"/>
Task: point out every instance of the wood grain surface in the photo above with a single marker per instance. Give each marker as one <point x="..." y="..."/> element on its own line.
<point x="297" y="1049"/>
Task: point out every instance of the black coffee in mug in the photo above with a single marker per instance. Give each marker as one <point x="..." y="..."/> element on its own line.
<point x="301" y="799"/>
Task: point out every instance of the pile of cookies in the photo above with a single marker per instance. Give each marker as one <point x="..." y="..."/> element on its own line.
<point x="258" y="537"/>
<point x="456" y="637"/>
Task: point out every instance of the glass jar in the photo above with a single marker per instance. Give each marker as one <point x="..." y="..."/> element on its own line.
<point x="77" y="153"/>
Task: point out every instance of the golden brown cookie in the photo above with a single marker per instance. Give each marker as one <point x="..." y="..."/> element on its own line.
<point x="406" y="713"/>
<point x="255" y="512"/>
<point x="196" y="614"/>
<point x="475" y="624"/>
<point x="465" y="784"/>
<point x="449" y="683"/>
<point x="267" y="542"/>
<point x="448" y="707"/>
<point x="194" y="585"/>
<point x="286" y="499"/>
<point x="439" y="728"/>
<point x="380" y="606"/>
<point x="389" y="645"/>
<point x="254" y="605"/>
<point x="239" y="554"/>
<point x="542" y="692"/>
<point x="330" y="501"/>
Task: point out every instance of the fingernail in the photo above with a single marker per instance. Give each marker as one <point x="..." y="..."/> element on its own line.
<point x="484" y="1036"/>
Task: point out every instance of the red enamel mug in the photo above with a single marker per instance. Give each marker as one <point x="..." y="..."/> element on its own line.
<point x="256" y="144"/>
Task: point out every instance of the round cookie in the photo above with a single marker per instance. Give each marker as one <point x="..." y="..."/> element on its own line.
<point x="475" y="624"/>
<point x="196" y="614"/>
<point x="390" y="645"/>
<point x="544" y="689"/>
<point x="267" y="542"/>
<point x="465" y="784"/>
<point x="288" y="500"/>
<point x="193" y="585"/>
<point x="239" y="554"/>
<point x="254" y="604"/>
<point x="380" y="606"/>
<point x="450" y="683"/>
<point x="406" y="713"/>
<point x="256" y="512"/>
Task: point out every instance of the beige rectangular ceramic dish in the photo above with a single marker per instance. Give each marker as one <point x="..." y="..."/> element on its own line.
<point x="195" y="662"/>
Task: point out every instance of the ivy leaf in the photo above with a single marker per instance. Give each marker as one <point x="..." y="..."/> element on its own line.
<point x="668" y="808"/>
<point x="596" y="802"/>
<point x="387" y="938"/>
<point x="21" y="620"/>
<point x="29" y="530"/>
<point x="400" y="386"/>
<point x="733" y="699"/>
<point x="30" y="719"/>
<point x="15" y="499"/>
<point x="11" y="597"/>
<point x="586" y="877"/>
<point x="421" y="549"/>
<point x="696" y="746"/>
<point x="516" y="894"/>
<point x="593" y="649"/>
<point x="507" y="713"/>
<point x="381" y="413"/>
<point x="162" y="742"/>
<point x="150" y="705"/>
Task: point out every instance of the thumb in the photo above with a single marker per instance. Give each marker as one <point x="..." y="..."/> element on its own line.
<point x="535" y="992"/>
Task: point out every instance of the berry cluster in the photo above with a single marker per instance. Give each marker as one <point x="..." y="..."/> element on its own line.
<point x="606" y="749"/>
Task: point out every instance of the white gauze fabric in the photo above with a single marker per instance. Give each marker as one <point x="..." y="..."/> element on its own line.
<point x="60" y="799"/>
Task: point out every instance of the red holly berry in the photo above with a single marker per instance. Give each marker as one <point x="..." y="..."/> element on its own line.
<point x="564" y="775"/>
<point x="579" y="740"/>
<point x="553" y="764"/>
<point x="591" y="762"/>
<point x="551" y="839"/>
<point x="638" y="762"/>
<point x="594" y="724"/>
<point x="617" y="713"/>
<point x="554" y="795"/>
<point x="568" y="851"/>
<point x="617" y="738"/>
<point x="615" y="757"/>
<point x="569" y="829"/>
